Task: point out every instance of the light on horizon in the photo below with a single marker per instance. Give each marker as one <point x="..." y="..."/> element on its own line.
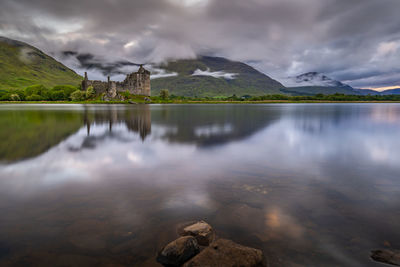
<point x="380" y="89"/>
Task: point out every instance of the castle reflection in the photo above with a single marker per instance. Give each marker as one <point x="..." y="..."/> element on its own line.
<point x="136" y="119"/>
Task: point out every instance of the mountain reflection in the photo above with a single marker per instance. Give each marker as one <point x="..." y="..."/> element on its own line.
<point x="212" y="125"/>
<point x="204" y="125"/>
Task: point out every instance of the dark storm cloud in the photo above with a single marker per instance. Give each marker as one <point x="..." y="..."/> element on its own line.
<point x="356" y="41"/>
<point x="89" y="61"/>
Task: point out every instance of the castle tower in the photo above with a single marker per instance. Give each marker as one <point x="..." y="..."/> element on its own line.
<point x="142" y="85"/>
<point x="85" y="82"/>
<point x="138" y="83"/>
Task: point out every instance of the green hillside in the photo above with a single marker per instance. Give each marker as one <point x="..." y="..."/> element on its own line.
<point x="246" y="81"/>
<point x="314" y="90"/>
<point x="22" y="65"/>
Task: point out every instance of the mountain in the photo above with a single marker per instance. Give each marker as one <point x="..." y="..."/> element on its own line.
<point x="315" y="79"/>
<point x="22" y="65"/>
<point x="367" y="92"/>
<point x="313" y="83"/>
<point x="395" y="91"/>
<point x="313" y="90"/>
<point x="212" y="77"/>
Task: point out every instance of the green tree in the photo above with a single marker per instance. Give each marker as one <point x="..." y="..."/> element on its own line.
<point x="164" y="94"/>
<point x="4" y="95"/>
<point x="39" y="90"/>
<point x="67" y="89"/>
<point x="34" y="97"/>
<point x="78" y="95"/>
<point x="57" y="95"/>
<point x="90" y="93"/>
<point x="15" y="97"/>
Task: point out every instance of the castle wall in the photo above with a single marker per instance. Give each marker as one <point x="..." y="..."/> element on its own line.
<point x="137" y="83"/>
<point x="99" y="87"/>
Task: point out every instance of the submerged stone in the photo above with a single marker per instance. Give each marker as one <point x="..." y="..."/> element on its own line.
<point x="386" y="256"/>
<point x="202" y="231"/>
<point x="178" y="251"/>
<point x="227" y="253"/>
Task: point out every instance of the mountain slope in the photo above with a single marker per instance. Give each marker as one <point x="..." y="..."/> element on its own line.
<point x="313" y="90"/>
<point x="213" y="77"/>
<point x="315" y="79"/>
<point x="313" y="83"/>
<point x="367" y="92"/>
<point x="22" y="65"/>
<point x="395" y="91"/>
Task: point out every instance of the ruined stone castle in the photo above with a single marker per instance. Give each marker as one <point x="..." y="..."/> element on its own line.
<point x="137" y="83"/>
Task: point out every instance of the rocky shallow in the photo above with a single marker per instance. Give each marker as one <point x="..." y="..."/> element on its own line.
<point x="386" y="256"/>
<point x="198" y="246"/>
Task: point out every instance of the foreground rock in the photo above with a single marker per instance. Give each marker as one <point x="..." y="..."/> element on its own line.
<point x="202" y="231"/>
<point x="179" y="251"/>
<point x="225" y="252"/>
<point x="185" y="251"/>
<point x="386" y="256"/>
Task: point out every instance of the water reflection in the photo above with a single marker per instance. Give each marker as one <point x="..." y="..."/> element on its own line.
<point x="212" y="125"/>
<point x="136" y="120"/>
<point x="311" y="185"/>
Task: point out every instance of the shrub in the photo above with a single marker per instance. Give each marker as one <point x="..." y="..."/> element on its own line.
<point x="39" y="90"/>
<point x="67" y="89"/>
<point x="57" y="95"/>
<point x="126" y="94"/>
<point x="5" y="97"/>
<point x="15" y="97"/>
<point x="164" y="94"/>
<point x="78" y="96"/>
<point x="20" y="93"/>
<point x="34" y="97"/>
<point x="90" y="93"/>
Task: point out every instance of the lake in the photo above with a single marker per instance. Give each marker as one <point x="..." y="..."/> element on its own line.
<point x="107" y="185"/>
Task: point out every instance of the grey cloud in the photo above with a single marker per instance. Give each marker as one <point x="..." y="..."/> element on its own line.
<point x="344" y="39"/>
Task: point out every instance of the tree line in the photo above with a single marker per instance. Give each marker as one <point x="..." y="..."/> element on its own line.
<point x="74" y="93"/>
<point x="41" y="93"/>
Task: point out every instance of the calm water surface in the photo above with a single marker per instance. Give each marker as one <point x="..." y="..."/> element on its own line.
<point x="107" y="185"/>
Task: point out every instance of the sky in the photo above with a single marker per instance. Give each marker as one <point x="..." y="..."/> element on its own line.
<point x="354" y="41"/>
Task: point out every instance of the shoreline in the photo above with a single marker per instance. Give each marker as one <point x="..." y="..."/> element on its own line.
<point x="195" y="102"/>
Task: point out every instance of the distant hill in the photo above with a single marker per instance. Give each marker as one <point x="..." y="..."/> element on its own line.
<point x="395" y="91"/>
<point x="213" y="77"/>
<point x="313" y="90"/>
<point x="367" y="92"/>
<point x="313" y="83"/>
<point x="314" y="79"/>
<point x="22" y="65"/>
